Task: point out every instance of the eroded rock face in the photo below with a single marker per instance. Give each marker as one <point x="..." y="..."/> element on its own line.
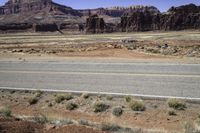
<point x="95" y="24"/>
<point x="20" y="6"/>
<point x="43" y="15"/>
<point x="179" y="18"/>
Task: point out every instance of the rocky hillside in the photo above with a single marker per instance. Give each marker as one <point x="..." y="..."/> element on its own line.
<point x="177" y="18"/>
<point x="45" y="14"/>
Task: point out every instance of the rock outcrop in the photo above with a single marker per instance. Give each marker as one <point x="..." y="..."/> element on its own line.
<point x="95" y="24"/>
<point x="179" y="18"/>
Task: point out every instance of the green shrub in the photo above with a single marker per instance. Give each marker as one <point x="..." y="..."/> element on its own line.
<point x="68" y="97"/>
<point x="110" y="127"/>
<point x="137" y="105"/>
<point x="85" y="95"/>
<point x="176" y="104"/>
<point x="71" y="106"/>
<point x="117" y="111"/>
<point x="59" y="98"/>
<point x="100" y="107"/>
<point x="128" y="98"/>
<point x="32" y="100"/>
<point x="6" y="112"/>
<point x="171" y="112"/>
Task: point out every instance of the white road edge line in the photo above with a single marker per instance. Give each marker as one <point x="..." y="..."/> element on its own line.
<point x="104" y="93"/>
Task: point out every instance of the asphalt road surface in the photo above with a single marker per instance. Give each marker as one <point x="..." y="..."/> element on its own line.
<point x="159" y="79"/>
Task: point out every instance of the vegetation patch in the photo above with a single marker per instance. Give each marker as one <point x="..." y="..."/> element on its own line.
<point x="33" y="100"/>
<point x="110" y="127"/>
<point x="69" y="96"/>
<point x="117" y="111"/>
<point x="128" y="98"/>
<point x="5" y="112"/>
<point x="100" y="107"/>
<point x="171" y="112"/>
<point x="109" y="98"/>
<point x="85" y="95"/>
<point x="176" y="104"/>
<point x="136" y="105"/>
<point x="59" y="98"/>
<point x="71" y="106"/>
<point x="38" y="93"/>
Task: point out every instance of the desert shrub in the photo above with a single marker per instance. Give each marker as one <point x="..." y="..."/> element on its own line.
<point x="171" y="112"/>
<point x="198" y="120"/>
<point x="32" y="100"/>
<point x="110" y="127"/>
<point x="12" y="91"/>
<point x="176" y="104"/>
<point x="128" y="98"/>
<point x="50" y="104"/>
<point x="71" y="106"/>
<point x="6" y="112"/>
<point x="188" y="127"/>
<point x="117" y="111"/>
<point x="109" y="98"/>
<point x="84" y="122"/>
<point x="59" y="98"/>
<point x="85" y="95"/>
<point x="100" y="107"/>
<point x="68" y="97"/>
<point x="137" y="105"/>
<point x="40" y="119"/>
<point x="38" y="93"/>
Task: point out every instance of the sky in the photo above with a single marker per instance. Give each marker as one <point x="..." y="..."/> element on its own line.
<point x="162" y="5"/>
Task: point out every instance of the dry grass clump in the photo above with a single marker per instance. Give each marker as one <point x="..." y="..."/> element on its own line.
<point x="38" y="93"/>
<point x="136" y="105"/>
<point x="171" y="112"/>
<point x="33" y="100"/>
<point x="100" y="107"/>
<point x="5" y="112"/>
<point x="109" y="98"/>
<point x="71" y="106"/>
<point x="128" y="99"/>
<point x="110" y="127"/>
<point x="117" y="111"/>
<point x="176" y="104"/>
<point x="60" y="98"/>
<point x="85" y="95"/>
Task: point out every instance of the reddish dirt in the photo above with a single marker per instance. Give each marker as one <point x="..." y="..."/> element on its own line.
<point x="11" y="125"/>
<point x="74" y="129"/>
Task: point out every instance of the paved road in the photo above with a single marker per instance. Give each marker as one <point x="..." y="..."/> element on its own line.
<point x="131" y="78"/>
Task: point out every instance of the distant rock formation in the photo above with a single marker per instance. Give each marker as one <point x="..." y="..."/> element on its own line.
<point x="179" y="18"/>
<point x="95" y="24"/>
<point x="45" y="15"/>
<point x="39" y="15"/>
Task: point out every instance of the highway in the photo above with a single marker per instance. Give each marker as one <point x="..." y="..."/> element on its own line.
<point x="156" y="79"/>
